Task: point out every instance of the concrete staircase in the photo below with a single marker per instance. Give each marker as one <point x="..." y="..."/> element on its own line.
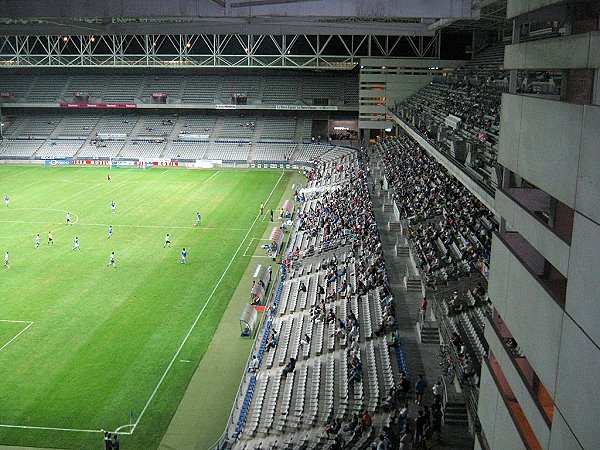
<point x="429" y="333"/>
<point x="394" y="226"/>
<point x="413" y="283"/>
<point x="455" y="414"/>
<point x="402" y="250"/>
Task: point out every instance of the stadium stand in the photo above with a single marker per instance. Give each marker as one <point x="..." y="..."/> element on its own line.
<point x="449" y="230"/>
<point x="10" y="148"/>
<point x="100" y="148"/>
<point x="328" y="317"/>
<point x="464" y="107"/>
<point x="58" y="149"/>
<point x="198" y="88"/>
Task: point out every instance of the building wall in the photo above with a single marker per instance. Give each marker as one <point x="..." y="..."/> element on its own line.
<point x="555" y="146"/>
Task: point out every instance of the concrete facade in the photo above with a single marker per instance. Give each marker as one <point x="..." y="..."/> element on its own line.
<point x="544" y="281"/>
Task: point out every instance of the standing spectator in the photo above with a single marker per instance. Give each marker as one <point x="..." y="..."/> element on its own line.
<point x="423" y="309"/>
<point x="420" y="386"/>
<point x="271" y="215"/>
<point x="436" y="419"/>
<point x="419" y="427"/>
<point x="115" y="442"/>
<point x="437" y="392"/>
<point x="406" y="439"/>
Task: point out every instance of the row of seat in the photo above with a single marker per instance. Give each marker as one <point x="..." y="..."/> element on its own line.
<point x="199" y="88"/>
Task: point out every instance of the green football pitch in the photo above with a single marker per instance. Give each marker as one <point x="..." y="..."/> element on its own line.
<point x="85" y="346"/>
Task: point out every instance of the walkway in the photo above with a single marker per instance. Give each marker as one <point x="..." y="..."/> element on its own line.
<point x="422" y="358"/>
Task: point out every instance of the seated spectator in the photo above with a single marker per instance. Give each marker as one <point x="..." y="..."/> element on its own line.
<point x="333" y="427"/>
<point x="338" y="443"/>
<point x="330" y="316"/>
<point x="351" y="426"/>
<point x="365" y="422"/>
<point x="403" y="386"/>
<point x="305" y="341"/>
<point x="390" y="400"/>
<point x="467" y="369"/>
<point x="289" y="368"/>
<point x="254" y="363"/>
<point x="394" y="343"/>
<point x="272" y="343"/>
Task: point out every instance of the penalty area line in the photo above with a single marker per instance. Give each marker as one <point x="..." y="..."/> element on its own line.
<point x="186" y="337"/>
<point x="18" y="334"/>
<point x="208" y="179"/>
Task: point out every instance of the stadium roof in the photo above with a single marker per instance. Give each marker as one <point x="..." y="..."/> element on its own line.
<point x="380" y="17"/>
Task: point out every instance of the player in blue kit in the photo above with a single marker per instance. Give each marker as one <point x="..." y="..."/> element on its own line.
<point x="109" y="232"/>
<point x="184" y="256"/>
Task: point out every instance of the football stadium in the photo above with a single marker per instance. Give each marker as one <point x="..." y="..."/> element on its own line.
<point x="299" y="224"/>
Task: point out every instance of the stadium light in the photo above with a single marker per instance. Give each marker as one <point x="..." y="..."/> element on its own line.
<point x="93" y="39"/>
<point x="188" y="45"/>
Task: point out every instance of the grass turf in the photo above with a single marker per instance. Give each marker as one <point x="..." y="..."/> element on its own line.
<point x="103" y="337"/>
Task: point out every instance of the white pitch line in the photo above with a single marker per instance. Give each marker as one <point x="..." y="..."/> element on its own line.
<point x="16" y="336"/>
<point x="164" y="375"/>
<point x="16" y="321"/>
<point x="81" y="224"/>
<point x="206" y="181"/>
<point x="27" y="427"/>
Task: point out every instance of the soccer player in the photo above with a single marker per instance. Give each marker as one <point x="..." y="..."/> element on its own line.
<point x="69" y="219"/>
<point x="111" y="261"/>
<point x="262" y="208"/>
<point x="37" y="241"/>
<point x="6" y="199"/>
<point x="6" y="264"/>
<point x="198" y="219"/>
<point x="112" y="206"/>
<point x="76" y="244"/>
<point x="183" y="256"/>
<point x="109" y="232"/>
<point x="108" y="176"/>
<point x="167" y="241"/>
<point x="50" y="241"/>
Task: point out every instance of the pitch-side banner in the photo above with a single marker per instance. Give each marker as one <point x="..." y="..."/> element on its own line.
<point x="99" y="105"/>
<point x="91" y="162"/>
<point x="58" y="162"/>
